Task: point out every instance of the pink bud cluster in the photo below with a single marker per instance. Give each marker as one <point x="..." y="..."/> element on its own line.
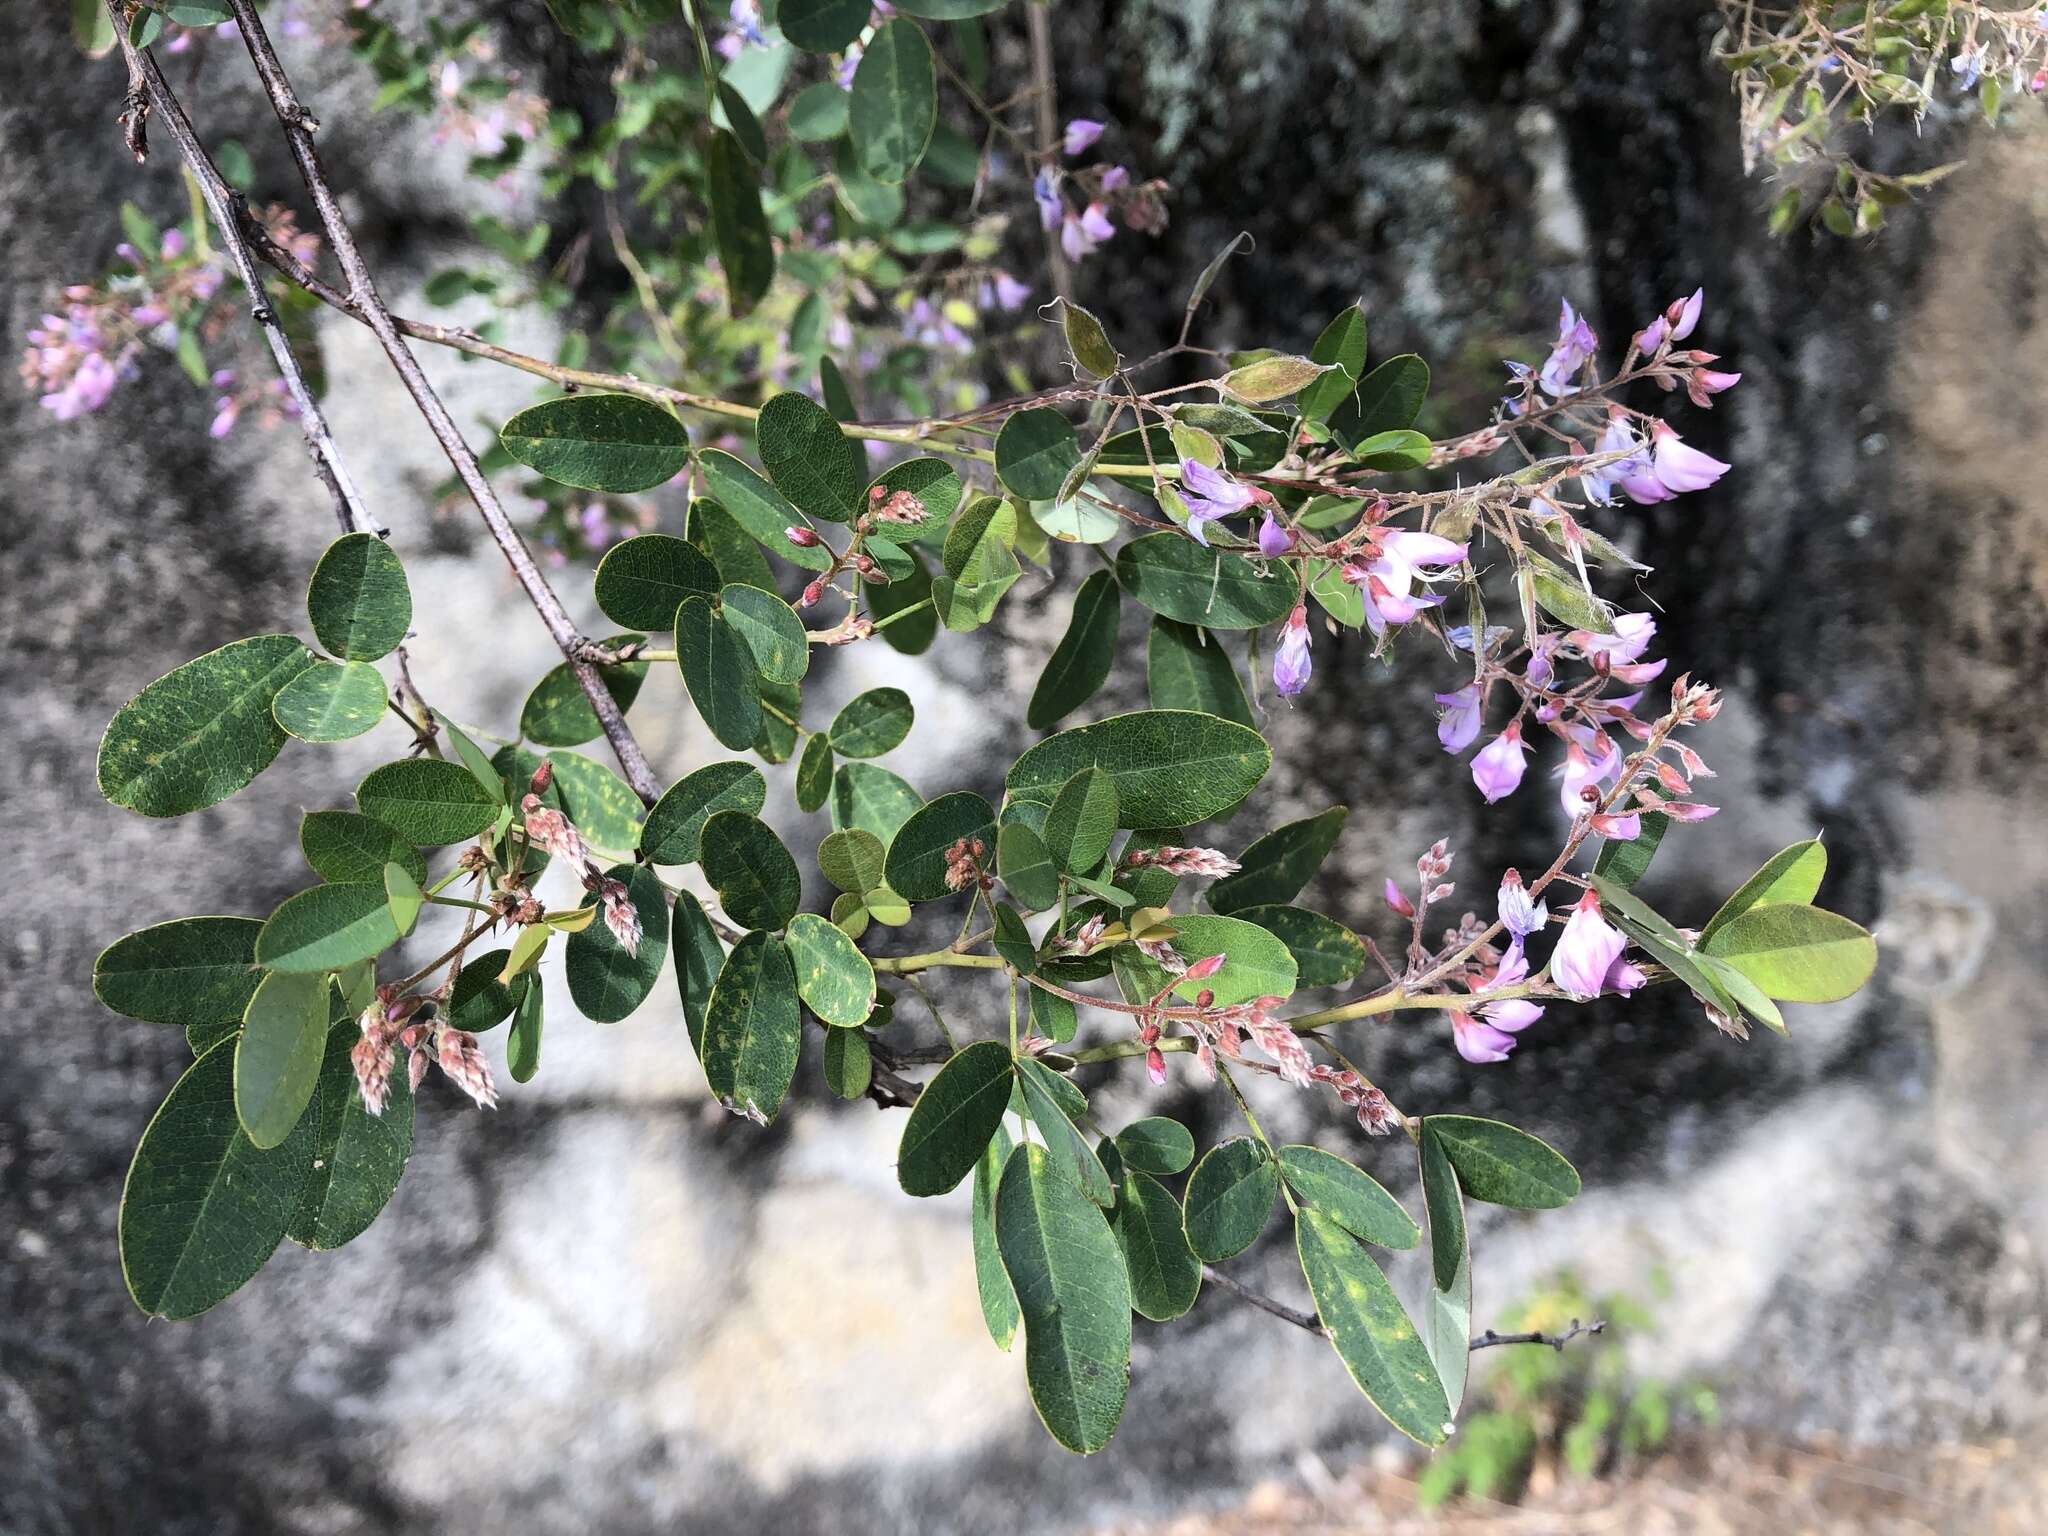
<point x="1201" y="863"/>
<point x="392" y="1023"/>
<point x="964" y="866"/>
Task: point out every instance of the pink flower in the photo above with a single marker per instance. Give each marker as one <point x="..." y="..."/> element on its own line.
<point x="1115" y="179"/>
<point x="552" y="832"/>
<point x="1702" y="384"/>
<point x="1623" y="977"/>
<point x="1291" y="663"/>
<point x="1618" y="437"/>
<point x="1081" y="133"/>
<point x="1673" y="468"/>
<point x="1631" y="637"/>
<point x="1519" y="914"/>
<point x="462" y="1062"/>
<point x="1586" y="951"/>
<point x="1486" y="1033"/>
<point x="1387" y="582"/>
<point x="621" y="916"/>
<point x="1458" y="726"/>
<point x="1575" y="347"/>
<point x="1275" y="538"/>
<point x="1497" y="769"/>
<point x="1210" y="495"/>
<point x="1396" y="902"/>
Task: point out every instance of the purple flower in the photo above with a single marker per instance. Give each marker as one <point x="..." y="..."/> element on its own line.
<point x="1052" y="208"/>
<point x="850" y="62"/>
<point x="1387" y="584"/>
<point x="1275" y="538"/>
<point x="1081" y="133"/>
<point x="1575" y="346"/>
<point x="1632" y="635"/>
<point x="1458" y="726"/>
<point x="1518" y="913"/>
<point x="1115" y="179"/>
<point x="1618" y="437"/>
<point x="173" y="244"/>
<point x="1580" y="771"/>
<point x="1074" y="240"/>
<point x="1487" y="1033"/>
<point x="1685" y="314"/>
<point x="1624" y="977"/>
<point x="1498" y="767"/>
<point x="1291" y="661"/>
<point x="1095" y="223"/>
<point x="1586" y="951"/>
<point x="1009" y="293"/>
<point x="225" y="410"/>
<point x="1671" y="469"/>
<point x="1210" y="494"/>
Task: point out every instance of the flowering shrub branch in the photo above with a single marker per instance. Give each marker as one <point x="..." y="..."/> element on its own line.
<point x="1278" y="487"/>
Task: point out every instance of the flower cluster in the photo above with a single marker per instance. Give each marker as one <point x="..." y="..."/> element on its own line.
<point x="1101" y="190"/>
<point x="393" y="1023"/>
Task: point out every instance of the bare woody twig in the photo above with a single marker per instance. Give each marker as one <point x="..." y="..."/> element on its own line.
<point x="1308" y="1322"/>
<point x="1556" y="1341"/>
<point x="1046" y="118"/>
<point x="299" y="126"/>
<point x="149" y="93"/>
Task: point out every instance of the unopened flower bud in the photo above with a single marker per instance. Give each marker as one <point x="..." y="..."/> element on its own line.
<point x="802" y="538"/>
<point x="1205" y="967"/>
<point x="811" y="593"/>
<point x="1155" y="1067"/>
<point x="543" y="776"/>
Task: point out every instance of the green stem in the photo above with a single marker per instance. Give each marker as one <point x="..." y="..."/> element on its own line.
<point x="910" y="965"/>
<point x="901" y="613"/>
<point x="457" y="901"/>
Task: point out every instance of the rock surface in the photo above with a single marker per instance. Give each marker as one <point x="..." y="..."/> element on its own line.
<point x="612" y="1308"/>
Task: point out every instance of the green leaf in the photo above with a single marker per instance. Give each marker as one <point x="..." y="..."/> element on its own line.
<point x="911" y="595"/>
<point x="1165" y="1275"/>
<point x="641" y="582"/>
<point x="833" y="978"/>
<point x="1274" y="378"/>
<point x="201" y="732"/>
<point x="916" y="868"/>
<point x="331" y="703"/>
<point x="1186" y="670"/>
<point x="1075" y="1297"/>
<point x="1388" y="399"/>
<point x="1326" y="953"/>
<point x="673" y="828"/>
<point x="718" y="668"/>
<point x="1156" y="1145"/>
<point x="1665" y="944"/>
<point x="998" y="1300"/>
<point x="192" y="970"/>
<point x="599" y="442"/>
<point x="204" y="1207"/>
<point x="1278" y="865"/>
<point x="774" y="634"/>
<point x="1027" y="870"/>
<point x="480" y="767"/>
<point x="812" y="462"/>
<point x="1370" y="1332"/>
<point x="699" y="958"/>
<point x="1349" y="1196"/>
<point x="1399" y="450"/>
<point x="1171" y="767"/>
<point x="357" y="1157"/>
<point x="1048" y="1098"/>
<point x="1447" y="1315"/>
<point x="852" y="860"/>
<point x="402" y="893"/>
<point x="557" y="712"/>
<point x="1080" y="663"/>
<point x="949" y="10"/>
<point x="601" y="804"/>
<point x="981" y="564"/>
<point x="739" y="226"/>
<point x="480" y="1002"/>
<point x="872" y="799"/>
<point x="1256" y="963"/>
<point x="1797" y="954"/>
<point x="1012" y="940"/>
<point x="818" y="114"/>
<point x="1342" y="347"/>
<point x="822" y="26"/>
<point x="753" y="1033"/>
<point x="1035" y="451"/>
<point x="278" y="1054"/>
<point x="345" y="846"/>
<point x="1230" y="1198"/>
<point x="894" y="104"/>
<point x="951" y="1123"/>
<point x="328" y="927"/>
<point x="759" y="508"/>
<point x="522" y="1040"/>
<point x="1174" y="576"/>
<point x="873" y="723"/>
<point x="933" y="482"/>
<point x="1087" y="343"/>
<point x="1559" y="593"/>
<point x="428" y="801"/>
<point x="1052" y="1017"/>
<point x="877" y="204"/>
<point x="605" y="982"/>
<point x="1792" y="876"/>
<point x="1082" y="821"/>
<point x="814" y="775"/>
<point x="849" y="1063"/>
<point x="1625" y="862"/>
<point x="358" y="600"/>
<point x="1503" y="1166"/>
<point x="756" y="879"/>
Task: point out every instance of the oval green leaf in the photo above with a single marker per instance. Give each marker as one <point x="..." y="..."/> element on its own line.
<point x="1186" y="670"/>
<point x="777" y="638"/>
<point x="190" y="971"/>
<point x="1230" y="1198"/>
<point x="328" y="927"/>
<point x="357" y="1157"/>
<point x="916" y="866"/>
<point x="278" y="1054"/>
<point x="757" y="880"/>
<point x="1370" y="1331"/>
<point x="329" y="702"/>
<point x="675" y="825"/>
<point x="1503" y="1166"/>
<point x="894" y="104"/>
<point x="641" y="582"/>
<point x="606" y="981"/>
<point x="873" y="723"/>
<point x="1349" y="1196"/>
<point x="1035" y="451"/>
<point x="753" y="1032"/>
<point x="718" y="668"/>
<point x="428" y="801"/>
<point x="1173" y="575"/>
<point x="359" y="600"/>
<point x="1165" y="1275"/>
<point x="833" y="977"/>
<point x="1171" y="767"/>
<point x="1275" y="868"/>
<point x="1080" y="663"/>
<point x="599" y="442"/>
<point x="1797" y="954"/>
<point x="953" y="1119"/>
